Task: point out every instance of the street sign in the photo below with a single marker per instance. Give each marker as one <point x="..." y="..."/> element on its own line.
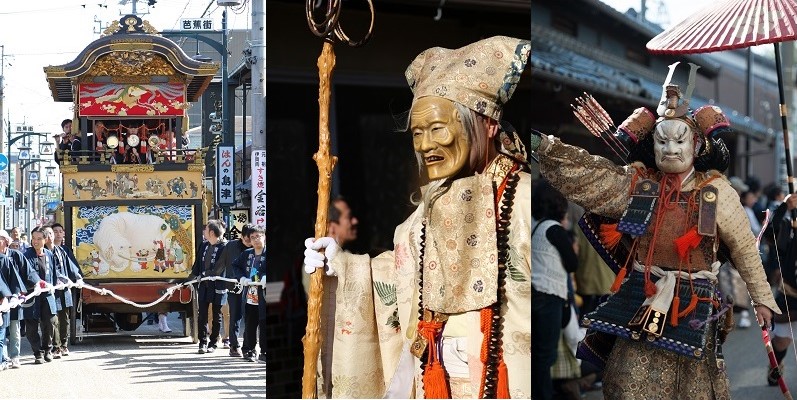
<point x="3" y="161"/>
<point x="34" y="175"/>
<point x="4" y="177"/>
<point x="196" y="24"/>
<point x="24" y="154"/>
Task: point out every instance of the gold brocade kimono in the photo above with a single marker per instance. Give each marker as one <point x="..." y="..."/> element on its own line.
<point x="634" y="369"/>
<point x="376" y="314"/>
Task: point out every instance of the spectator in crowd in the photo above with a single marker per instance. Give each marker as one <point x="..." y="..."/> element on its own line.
<point x="786" y="294"/>
<point x="15" y="237"/>
<point x="553" y="259"/>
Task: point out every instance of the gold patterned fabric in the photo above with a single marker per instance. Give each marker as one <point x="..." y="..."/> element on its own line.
<point x="377" y="314"/>
<point x="481" y="75"/>
<point x="636" y="371"/>
<point x="461" y="260"/>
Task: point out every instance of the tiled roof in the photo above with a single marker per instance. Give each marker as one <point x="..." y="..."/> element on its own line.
<point x="600" y="72"/>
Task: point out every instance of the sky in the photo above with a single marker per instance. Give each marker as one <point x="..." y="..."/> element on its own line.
<point x="665" y="12"/>
<point x="35" y="34"/>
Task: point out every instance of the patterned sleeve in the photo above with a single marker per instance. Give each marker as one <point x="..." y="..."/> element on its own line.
<point x="593" y="182"/>
<point x="734" y="231"/>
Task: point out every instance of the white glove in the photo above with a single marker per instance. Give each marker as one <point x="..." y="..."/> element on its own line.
<point x="263" y="282"/>
<point x="244" y="281"/>
<point x="79" y="283"/>
<point x="314" y="259"/>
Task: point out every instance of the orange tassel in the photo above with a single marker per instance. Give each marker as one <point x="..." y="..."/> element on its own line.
<point x="434" y="382"/>
<point x="609" y="235"/>
<point x="676" y="305"/>
<point x="618" y="279"/>
<point x="650" y="288"/>
<point x="687" y="242"/>
<point x="502" y="392"/>
<point x="691" y="307"/>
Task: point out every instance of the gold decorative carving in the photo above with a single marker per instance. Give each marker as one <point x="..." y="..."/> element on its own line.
<point x="111" y="29"/>
<point x="131" y="63"/>
<point x="148" y="28"/>
<point x="196" y="167"/>
<point x="133" y="168"/>
<point x="68" y="169"/>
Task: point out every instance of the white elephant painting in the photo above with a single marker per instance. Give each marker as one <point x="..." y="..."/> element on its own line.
<point x="123" y="238"/>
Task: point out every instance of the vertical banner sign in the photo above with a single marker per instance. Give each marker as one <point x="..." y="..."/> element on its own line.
<point x="259" y="187"/>
<point x="238" y="218"/>
<point x="225" y="172"/>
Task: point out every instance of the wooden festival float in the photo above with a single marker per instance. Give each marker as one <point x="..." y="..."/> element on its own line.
<point x="134" y="198"/>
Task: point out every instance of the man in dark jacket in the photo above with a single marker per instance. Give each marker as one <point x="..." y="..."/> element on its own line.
<point x="65" y="269"/>
<point x="211" y="294"/>
<point x="41" y="310"/>
<point x="27" y="279"/>
<point x="231" y="252"/>
<point x="66" y="140"/>
<point x="250" y="267"/>
<point x="8" y="287"/>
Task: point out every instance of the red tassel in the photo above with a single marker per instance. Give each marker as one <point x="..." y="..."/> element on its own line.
<point x="687" y="242"/>
<point x="676" y="305"/>
<point x="618" y="280"/>
<point x="609" y="236"/>
<point x="650" y="288"/>
<point x="502" y="392"/>
<point x="434" y="382"/>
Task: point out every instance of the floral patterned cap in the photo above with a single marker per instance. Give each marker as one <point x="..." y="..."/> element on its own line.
<point x="482" y="75"/>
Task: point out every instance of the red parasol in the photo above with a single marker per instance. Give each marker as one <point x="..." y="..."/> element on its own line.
<point x="728" y="25"/>
<point x="735" y="24"/>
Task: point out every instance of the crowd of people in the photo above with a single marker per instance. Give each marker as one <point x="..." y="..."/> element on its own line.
<point x="45" y="319"/>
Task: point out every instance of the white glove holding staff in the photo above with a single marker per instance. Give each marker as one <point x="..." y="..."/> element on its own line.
<point x="314" y="259"/>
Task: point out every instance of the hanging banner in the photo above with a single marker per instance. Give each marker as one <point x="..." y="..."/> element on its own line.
<point x="259" y="187"/>
<point x="225" y="175"/>
<point x="118" y="100"/>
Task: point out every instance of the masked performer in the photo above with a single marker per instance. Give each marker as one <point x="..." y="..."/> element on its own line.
<point x="455" y="291"/>
<point x="675" y="219"/>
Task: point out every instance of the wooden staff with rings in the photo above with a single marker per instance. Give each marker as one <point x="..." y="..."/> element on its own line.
<point x="329" y="30"/>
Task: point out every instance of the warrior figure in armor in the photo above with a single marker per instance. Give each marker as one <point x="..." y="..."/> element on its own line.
<point x="665" y="222"/>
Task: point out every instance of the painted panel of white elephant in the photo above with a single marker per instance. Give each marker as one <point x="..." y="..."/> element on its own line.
<point x="146" y="241"/>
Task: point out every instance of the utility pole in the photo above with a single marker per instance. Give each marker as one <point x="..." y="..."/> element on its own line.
<point x="228" y="135"/>
<point x="258" y="161"/>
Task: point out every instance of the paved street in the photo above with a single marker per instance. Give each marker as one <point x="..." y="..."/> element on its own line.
<point x="747" y="366"/>
<point x="145" y="364"/>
